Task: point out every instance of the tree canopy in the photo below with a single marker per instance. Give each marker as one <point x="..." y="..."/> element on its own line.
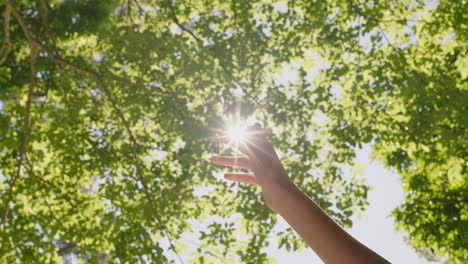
<point x="108" y="112"/>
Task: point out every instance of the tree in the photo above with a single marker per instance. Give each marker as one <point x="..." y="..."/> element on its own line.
<point x="109" y="110"/>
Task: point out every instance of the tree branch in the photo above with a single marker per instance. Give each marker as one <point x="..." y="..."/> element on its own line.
<point x="134" y="145"/>
<point x="176" y="20"/>
<point x="57" y="59"/>
<point x="134" y="150"/>
<point x="43" y="13"/>
<point x="24" y="145"/>
<point x="6" y="44"/>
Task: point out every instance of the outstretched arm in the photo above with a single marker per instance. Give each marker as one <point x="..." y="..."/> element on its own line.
<point x="328" y="239"/>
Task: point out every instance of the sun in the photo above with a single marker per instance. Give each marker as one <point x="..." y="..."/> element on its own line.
<point x="237" y="134"/>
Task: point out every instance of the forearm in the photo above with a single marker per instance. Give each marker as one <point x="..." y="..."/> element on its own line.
<point x="320" y="232"/>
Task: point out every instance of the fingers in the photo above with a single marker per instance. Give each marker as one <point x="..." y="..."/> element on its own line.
<point x="255" y="146"/>
<point x="241" y="177"/>
<point x="241" y="162"/>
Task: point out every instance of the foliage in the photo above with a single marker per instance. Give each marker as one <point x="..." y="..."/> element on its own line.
<point x="108" y="110"/>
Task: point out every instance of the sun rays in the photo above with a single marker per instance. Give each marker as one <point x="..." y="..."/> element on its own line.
<point x="240" y="135"/>
<point x="235" y="131"/>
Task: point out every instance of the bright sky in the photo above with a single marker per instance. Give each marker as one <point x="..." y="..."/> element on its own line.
<point x="374" y="228"/>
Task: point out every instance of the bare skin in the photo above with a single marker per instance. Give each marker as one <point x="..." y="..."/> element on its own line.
<point x="328" y="239"/>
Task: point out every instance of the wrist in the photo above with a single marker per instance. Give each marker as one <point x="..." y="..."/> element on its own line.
<point x="276" y="190"/>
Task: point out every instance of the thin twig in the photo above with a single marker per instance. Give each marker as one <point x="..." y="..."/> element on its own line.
<point x="129" y="10"/>
<point x="49" y="183"/>
<point x="43" y="13"/>
<point x="6" y="44"/>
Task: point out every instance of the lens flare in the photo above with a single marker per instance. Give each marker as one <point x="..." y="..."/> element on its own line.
<point x="237" y="134"/>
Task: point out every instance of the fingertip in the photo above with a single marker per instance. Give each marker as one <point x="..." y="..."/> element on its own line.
<point x="228" y="177"/>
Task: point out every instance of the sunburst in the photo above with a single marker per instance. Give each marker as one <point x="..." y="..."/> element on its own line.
<point x="236" y="133"/>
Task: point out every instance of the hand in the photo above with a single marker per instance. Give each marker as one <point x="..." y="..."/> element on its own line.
<point x="331" y="242"/>
<point x="261" y="158"/>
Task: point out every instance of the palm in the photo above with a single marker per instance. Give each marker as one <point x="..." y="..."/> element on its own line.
<point x="260" y="158"/>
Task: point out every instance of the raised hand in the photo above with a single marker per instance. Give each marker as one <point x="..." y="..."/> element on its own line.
<point x="331" y="242"/>
<point x="260" y="158"/>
